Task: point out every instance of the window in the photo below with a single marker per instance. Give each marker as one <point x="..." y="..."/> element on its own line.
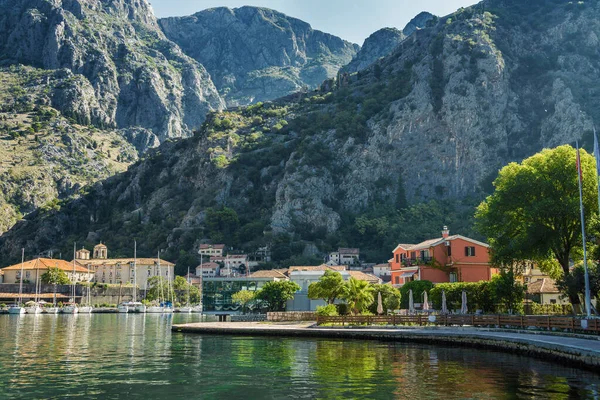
<point x="449" y="251"/>
<point x="413" y="255"/>
<point x="397" y="280"/>
<point x="470" y="251"/>
<point x="397" y="258"/>
<point x="552" y="301"/>
<point x="26" y="274"/>
<point x="453" y="277"/>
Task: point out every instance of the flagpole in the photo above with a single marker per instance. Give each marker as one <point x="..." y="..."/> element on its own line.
<point x="597" y="156"/>
<point x="588" y="305"/>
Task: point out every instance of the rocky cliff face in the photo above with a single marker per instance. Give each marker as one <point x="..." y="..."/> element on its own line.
<point x="382" y="42"/>
<point x="135" y="76"/>
<point x="47" y="157"/>
<point x="435" y="119"/>
<point x="256" y="54"/>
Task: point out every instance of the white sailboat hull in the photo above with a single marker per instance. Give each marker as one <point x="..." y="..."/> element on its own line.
<point x="154" y="310"/>
<point x="123" y="309"/>
<point x="16" y="310"/>
<point x="197" y="309"/>
<point x="185" y="310"/>
<point x="70" y="310"/>
<point x="33" y="310"/>
<point x="140" y="308"/>
<point x="85" y="310"/>
<point x="51" y="310"/>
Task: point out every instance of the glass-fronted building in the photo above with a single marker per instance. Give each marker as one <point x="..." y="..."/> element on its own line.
<point x="217" y="292"/>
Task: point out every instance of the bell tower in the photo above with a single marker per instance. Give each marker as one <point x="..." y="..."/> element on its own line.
<point x="100" y="251"/>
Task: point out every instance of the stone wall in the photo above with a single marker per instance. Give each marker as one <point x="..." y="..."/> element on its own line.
<point x="291" y="316"/>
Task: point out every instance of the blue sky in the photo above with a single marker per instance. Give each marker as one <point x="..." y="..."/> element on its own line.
<point x="352" y="20"/>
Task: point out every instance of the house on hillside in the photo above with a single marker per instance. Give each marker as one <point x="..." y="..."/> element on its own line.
<point x="207" y="270"/>
<point x="208" y="250"/>
<point x="344" y="256"/>
<point x="450" y="258"/>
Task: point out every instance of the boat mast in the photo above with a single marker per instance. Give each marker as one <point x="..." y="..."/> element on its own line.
<point x="73" y="277"/>
<point x="134" y="271"/>
<point x="21" y="280"/>
<point x="160" y="281"/>
<point x="188" y="287"/>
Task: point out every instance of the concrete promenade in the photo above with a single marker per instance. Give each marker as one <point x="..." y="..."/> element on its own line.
<point x="573" y="349"/>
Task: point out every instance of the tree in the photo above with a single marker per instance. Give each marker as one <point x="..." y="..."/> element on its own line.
<point x="417" y="287"/>
<point x="55" y="276"/>
<point x="508" y="293"/>
<point x="390" y="298"/>
<point x="533" y="213"/>
<point x="573" y="284"/>
<point x="243" y="298"/>
<point x="158" y="289"/>
<point x="358" y="295"/>
<point x="182" y="288"/>
<point x="275" y="294"/>
<point x="329" y="287"/>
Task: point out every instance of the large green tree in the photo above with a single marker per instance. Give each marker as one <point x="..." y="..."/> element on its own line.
<point x="55" y="276"/>
<point x="533" y="213"/>
<point x="159" y="289"/>
<point x="183" y="288"/>
<point x="329" y="287"/>
<point x="244" y="298"/>
<point x="358" y="294"/>
<point x="275" y="294"/>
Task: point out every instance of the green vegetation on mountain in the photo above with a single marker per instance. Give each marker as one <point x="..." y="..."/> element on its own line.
<point x="389" y="154"/>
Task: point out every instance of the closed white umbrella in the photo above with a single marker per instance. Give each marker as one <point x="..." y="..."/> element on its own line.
<point x="425" y="302"/>
<point x="411" y="303"/>
<point x="379" y="304"/>
<point x="444" y="305"/>
<point x="463" y="307"/>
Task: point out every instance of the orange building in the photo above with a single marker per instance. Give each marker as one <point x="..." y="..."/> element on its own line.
<point x="453" y="258"/>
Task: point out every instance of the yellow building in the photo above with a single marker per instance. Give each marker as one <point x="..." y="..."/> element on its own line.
<point x="34" y="269"/>
<point x="121" y="270"/>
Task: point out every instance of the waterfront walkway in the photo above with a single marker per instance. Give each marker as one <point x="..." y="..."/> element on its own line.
<point x="575" y="349"/>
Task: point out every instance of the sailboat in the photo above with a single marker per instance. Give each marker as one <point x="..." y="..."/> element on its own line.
<point x="16" y="308"/>
<point x="34" y="306"/>
<point x="53" y="309"/>
<point x="187" y="308"/>
<point x="168" y="307"/>
<point x="71" y="308"/>
<point x="157" y="309"/>
<point x="137" y="306"/>
<point x="87" y="309"/>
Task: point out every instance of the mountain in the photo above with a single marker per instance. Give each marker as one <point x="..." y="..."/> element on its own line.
<point x="382" y="42"/>
<point x="47" y="156"/>
<point x="368" y="160"/>
<point x="139" y="78"/>
<point x="255" y="54"/>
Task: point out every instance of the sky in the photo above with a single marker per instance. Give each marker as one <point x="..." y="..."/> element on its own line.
<point x="352" y="20"/>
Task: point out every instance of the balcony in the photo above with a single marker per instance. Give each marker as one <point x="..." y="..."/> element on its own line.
<point x="412" y="262"/>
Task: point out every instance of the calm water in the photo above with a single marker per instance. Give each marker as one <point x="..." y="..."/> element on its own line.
<point x="136" y="356"/>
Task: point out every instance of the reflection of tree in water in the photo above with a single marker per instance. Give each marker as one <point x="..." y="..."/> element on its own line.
<point x="347" y="369"/>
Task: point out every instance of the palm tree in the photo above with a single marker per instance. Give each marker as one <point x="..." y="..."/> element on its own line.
<point x="358" y="295"/>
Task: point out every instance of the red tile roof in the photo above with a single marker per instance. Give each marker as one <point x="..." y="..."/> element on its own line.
<point x="544" y="285"/>
<point x="47" y="263"/>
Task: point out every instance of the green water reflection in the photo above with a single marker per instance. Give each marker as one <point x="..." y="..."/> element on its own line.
<point x="135" y="356"/>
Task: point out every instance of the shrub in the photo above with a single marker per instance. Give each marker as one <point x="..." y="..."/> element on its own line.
<point x="342" y="309"/>
<point x="418" y="287"/>
<point x="329" y="310"/>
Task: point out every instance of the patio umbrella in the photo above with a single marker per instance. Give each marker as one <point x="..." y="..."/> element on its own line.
<point x="463" y="307"/>
<point x="411" y="303"/>
<point x="444" y="306"/>
<point x="425" y="302"/>
<point x="379" y="304"/>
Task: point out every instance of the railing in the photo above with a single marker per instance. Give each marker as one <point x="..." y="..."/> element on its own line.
<point x="502" y="321"/>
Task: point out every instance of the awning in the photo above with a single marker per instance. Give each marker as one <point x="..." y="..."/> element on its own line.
<point x="408" y="274"/>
